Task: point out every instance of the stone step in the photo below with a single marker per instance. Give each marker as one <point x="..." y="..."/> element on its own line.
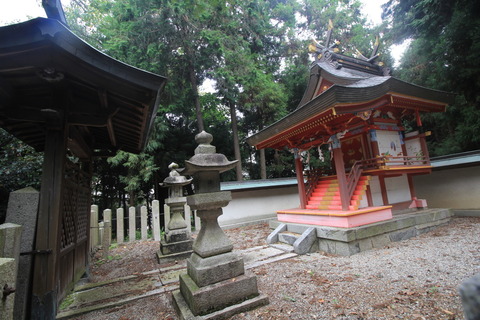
<point x="326" y="204"/>
<point x="282" y="246"/>
<point x="288" y="237"/>
<point x="330" y="207"/>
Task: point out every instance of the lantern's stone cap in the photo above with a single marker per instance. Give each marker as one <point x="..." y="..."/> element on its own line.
<point x="206" y="158"/>
<point x="174" y="178"/>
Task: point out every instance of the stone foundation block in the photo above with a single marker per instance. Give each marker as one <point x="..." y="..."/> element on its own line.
<point x="176" y="247"/>
<point x="403" y="234"/>
<point x="206" y="271"/>
<point x="181" y="235"/>
<point x="211" y="298"/>
<point x="185" y="313"/>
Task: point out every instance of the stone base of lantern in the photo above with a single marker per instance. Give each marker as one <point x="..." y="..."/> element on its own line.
<point x="173" y="250"/>
<point x="220" y="300"/>
<point x="214" y="284"/>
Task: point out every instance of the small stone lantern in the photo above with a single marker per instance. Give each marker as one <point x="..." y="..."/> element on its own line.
<point x="215" y="284"/>
<point x="177" y="241"/>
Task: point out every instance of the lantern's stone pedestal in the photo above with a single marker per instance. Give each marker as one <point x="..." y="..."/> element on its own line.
<point x="216" y="285"/>
<point x="177" y="243"/>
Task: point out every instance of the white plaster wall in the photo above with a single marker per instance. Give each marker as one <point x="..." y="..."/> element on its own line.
<point x="457" y="188"/>
<point x="397" y="189"/>
<point x="375" y="190"/>
<point x="256" y="204"/>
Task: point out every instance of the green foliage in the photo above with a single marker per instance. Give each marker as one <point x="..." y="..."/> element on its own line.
<point x="20" y="164"/>
<point x="255" y="52"/>
<point x="443" y="55"/>
<point x="20" y="167"/>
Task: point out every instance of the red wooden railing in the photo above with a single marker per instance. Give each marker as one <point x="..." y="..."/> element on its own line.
<point x="359" y="167"/>
<point x="313" y="175"/>
<point x="383" y="162"/>
<point x="352" y="179"/>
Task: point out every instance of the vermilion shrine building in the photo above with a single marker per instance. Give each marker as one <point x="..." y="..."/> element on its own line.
<point x="355" y="106"/>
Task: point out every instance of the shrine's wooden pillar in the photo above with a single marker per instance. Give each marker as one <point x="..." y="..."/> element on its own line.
<point x="340" y="170"/>
<point x="47" y="241"/>
<point x="374" y="143"/>
<point x="383" y="189"/>
<point x="422" y="138"/>
<point x="300" y="181"/>
<point x="402" y="142"/>
<point x="411" y="186"/>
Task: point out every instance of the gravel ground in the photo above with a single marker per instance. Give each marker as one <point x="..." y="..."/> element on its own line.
<point x="413" y="279"/>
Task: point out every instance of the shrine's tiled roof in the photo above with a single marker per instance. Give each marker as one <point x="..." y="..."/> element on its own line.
<point x="355" y="82"/>
<point x="108" y="104"/>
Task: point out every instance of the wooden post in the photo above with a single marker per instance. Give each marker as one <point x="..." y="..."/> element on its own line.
<point x="411" y="187"/>
<point x="340" y="170"/>
<point x="369" y="196"/>
<point x="300" y="182"/>
<point x="374" y="143"/>
<point x="383" y="189"/>
<point x="47" y="241"/>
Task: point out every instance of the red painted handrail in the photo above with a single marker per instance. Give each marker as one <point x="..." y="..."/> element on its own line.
<point x="359" y="167"/>
<point x="313" y="176"/>
<point x="353" y="178"/>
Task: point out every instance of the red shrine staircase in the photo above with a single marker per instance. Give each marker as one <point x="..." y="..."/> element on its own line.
<point x="326" y="194"/>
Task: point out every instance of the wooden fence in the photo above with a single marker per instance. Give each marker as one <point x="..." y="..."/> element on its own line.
<point x="101" y="230"/>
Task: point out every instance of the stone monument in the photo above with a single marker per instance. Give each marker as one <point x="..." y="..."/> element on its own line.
<point x="23" y="210"/>
<point x="177" y="241"/>
<point x="215" y="285"/>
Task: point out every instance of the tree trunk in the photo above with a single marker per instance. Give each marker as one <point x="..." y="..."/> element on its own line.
<point x="236" y="145"/>
<point x="196" y="98"/>
<point x="263" y="166"/>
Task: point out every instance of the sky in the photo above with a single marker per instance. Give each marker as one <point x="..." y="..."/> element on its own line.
<point x="21" y="10"/>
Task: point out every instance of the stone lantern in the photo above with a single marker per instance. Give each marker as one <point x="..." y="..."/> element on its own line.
<point x="177" y="241"/>
<point x="215" y="284"/>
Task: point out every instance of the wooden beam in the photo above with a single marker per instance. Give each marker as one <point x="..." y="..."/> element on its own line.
<point x="300" y="182"/>
<point x="78" y="145"/>
<point x="341" y="176"/>
<point x="111" y="132"/>
<point x="54" y="10"/>
<point x="87" y="120"/>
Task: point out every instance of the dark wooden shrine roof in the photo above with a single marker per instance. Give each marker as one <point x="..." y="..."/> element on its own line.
<point x="46" y="71"/>
<point x="340" y="89"/>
